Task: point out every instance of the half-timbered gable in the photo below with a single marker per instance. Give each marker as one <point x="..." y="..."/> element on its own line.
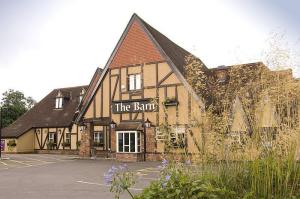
<point x="143" y="79"/>
<point x="49" y="124"/>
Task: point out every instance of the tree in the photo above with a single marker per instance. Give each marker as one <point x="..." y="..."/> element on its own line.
<point x="14" y="104"/>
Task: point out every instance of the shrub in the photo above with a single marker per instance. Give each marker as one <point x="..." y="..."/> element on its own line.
<point x="12" y="143"/>
<point x="51" y="145"/>
<point x="267" y="178"/>
<point x="66" y="144"/>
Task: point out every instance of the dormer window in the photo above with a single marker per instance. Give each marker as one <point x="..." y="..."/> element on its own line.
<point x="59" y="101"/>
<point x="81" y="94"/>
<point x="134" y="82"/>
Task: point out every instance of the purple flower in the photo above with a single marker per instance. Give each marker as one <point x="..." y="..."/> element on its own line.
<point x="168" y="177"/>
<point x="109" y="176"/>
<point x="165" y="163"/>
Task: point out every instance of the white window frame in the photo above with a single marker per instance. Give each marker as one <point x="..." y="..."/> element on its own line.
<point x="97" y="136"/>
<point x="58" y="102"/>
<point x="135" y="82"/>
<point x="178" y="134"/>
<point x="137" y="145"/>
<point x="51" y="137"/>
<point x="68" y="138"/>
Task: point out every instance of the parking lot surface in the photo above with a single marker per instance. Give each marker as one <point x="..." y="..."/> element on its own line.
<point x="36" y="176"/>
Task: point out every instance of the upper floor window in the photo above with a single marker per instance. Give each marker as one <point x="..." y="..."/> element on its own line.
<point x="59" y="102"/>
<point x="134" y="82"/>
<point x="81" y="94"/>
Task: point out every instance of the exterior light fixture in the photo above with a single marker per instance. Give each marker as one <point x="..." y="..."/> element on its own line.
<point x="112" y="124"/>
<point x="83" y="127"/>
<point x="147" y="123"/>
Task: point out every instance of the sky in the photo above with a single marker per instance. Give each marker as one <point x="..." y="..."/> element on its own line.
<point x="48" y="44"/>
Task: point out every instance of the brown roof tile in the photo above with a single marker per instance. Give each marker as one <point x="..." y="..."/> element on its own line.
<point x="44" y="114"/>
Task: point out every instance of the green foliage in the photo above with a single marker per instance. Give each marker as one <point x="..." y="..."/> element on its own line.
<point x="51" y="145"/>
<point x="78" y="143"/>
<point x="269" y="177"/>
<point x="120" y="180"/>
<point x="11" y="144"/>
<point x="66" y="144"/>
<point x="14" y="104"/>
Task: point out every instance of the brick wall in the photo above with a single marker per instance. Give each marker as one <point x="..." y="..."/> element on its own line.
<point x="150" y="140"/>
<point x="130" y="157"/>
<point x="136" y="48"/>
<point x="113" y="140"/>
<point x="86" y="142"/>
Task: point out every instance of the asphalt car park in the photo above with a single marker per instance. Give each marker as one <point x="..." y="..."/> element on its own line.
<point x="36" y="176"/>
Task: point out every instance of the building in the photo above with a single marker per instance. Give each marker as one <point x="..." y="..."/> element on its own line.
<point x="150" y="84"/>
<point x="48" y="125"/>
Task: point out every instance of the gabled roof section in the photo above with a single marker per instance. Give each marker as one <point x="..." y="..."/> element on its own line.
<point x="168" y="51"/>
<point x="44" y="114"/>
<point x="176" y="54"/>
<point x="136" y="48"/>
<point x="92" y="85"/>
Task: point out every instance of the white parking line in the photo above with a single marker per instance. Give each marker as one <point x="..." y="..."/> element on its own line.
<point x="26" y="157"/>
<point x="19" y="162"/>
<point x="57" y="158"/>
<point x="3" y="163"/>
<point x="104" y="185"/>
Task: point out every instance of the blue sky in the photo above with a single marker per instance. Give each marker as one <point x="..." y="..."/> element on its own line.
<point x="47" y="44"/>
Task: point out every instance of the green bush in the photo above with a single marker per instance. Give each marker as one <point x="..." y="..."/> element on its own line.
<point x="12" y="143"/>
<point x="265" y="178"/>
<point x="51" y="145"/>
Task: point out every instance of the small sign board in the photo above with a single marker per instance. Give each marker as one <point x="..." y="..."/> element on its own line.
<point x="2" y="145"/>
<point x="134" y="106"/>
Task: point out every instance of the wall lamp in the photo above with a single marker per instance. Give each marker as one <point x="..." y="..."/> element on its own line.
<point x="112" y="124"/>
<point x="147" y="123"/>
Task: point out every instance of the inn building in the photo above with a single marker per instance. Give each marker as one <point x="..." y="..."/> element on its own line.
<point x="143" y="85"/>
<point x="48" y="125"/>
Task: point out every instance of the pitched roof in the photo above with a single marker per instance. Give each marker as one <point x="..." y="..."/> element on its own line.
<point x="44" y="114"/>
<point x="176" y="53"/>
<point x="173" y="53"/>
<point x="92" y="85"/>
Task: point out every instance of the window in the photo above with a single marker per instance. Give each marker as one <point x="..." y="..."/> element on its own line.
<point x="52" y="137"/>
<point x="81" y="95"/>
<point x="68" y="138"/>
<point x="128" y="141"/>
<point x="177" y="137"/>
<point x="98" y="139"/>
<point x="134" y="82"/>
<point x="58" y="102"/>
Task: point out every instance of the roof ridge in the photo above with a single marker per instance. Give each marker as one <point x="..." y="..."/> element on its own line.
<point x="155" y="33"/>
<point x="70" y="87"/>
